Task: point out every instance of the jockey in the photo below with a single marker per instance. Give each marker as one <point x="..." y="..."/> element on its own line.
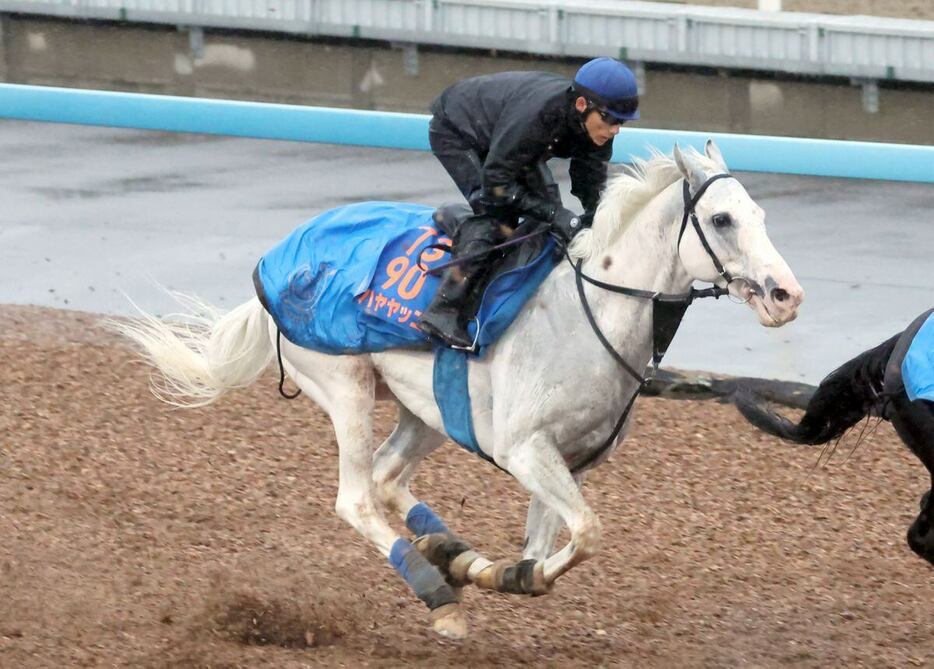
<point x="494" y="135"/>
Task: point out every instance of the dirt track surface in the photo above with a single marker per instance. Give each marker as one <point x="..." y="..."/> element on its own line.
<point x="139" y="536"/>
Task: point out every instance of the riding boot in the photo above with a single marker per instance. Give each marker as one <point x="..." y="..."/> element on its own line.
<point x="444" y="318"/>
<point x="458" y="297"/>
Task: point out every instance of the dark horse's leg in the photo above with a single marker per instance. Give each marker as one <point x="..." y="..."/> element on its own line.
<point x="914" y="422"/>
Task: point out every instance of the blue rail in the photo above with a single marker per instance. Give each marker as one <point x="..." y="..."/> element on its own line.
<point x="755" y="153"/>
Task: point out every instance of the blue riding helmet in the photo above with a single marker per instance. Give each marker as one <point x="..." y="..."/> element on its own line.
<point x="611" y="85"/>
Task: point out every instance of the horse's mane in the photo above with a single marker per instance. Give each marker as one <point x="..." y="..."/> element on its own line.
<point x="625" y="196"/>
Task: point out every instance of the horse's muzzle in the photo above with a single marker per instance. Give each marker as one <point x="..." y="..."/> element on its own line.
<point x="775" y="302"/>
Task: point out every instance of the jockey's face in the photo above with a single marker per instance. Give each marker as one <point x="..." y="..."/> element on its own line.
<point x="600" y="126"/>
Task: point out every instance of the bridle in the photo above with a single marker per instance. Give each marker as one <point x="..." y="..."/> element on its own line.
<point x="667" y="309"/>
<point x="689" y="212"/>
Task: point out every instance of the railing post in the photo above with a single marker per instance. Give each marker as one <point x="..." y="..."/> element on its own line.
<point x="313" y="17"/>
<point x="196" y="43"/>
<point x="684" y="25"/>
<point x="427" y="12"/>
<point x="870" y="94"/>
<point x="814" y="43"/>
<point x="556" y="32"/>
<point x="638" y="69"/>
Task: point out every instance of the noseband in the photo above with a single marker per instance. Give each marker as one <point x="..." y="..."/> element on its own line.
<point x="667" y="310"/>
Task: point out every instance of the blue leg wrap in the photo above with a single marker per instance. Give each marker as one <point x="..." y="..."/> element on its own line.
<point x="424" y="579"/>
<point x="422" y="520"/>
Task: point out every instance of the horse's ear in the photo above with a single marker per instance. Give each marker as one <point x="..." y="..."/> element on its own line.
<point x="689" y="167"/>
<point x="713" y="152"/>
<point x="679" y="161"/>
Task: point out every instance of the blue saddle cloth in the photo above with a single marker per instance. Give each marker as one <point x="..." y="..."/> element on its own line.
<point x="918" y="365"/>
<point x="348" y="281"/>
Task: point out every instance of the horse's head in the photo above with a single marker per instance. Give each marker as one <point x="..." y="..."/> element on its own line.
<point x="723" y="240"/>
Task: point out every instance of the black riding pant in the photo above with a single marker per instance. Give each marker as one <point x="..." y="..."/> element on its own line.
<point x="464" y="163"/>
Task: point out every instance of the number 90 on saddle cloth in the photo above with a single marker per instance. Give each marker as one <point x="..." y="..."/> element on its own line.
<point x="349" y="281"/>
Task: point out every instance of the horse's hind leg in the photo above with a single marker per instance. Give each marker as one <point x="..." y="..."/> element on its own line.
<point x="344" y="386"/>
<point x="393" y="466"/>
<point x="395" y="462"/>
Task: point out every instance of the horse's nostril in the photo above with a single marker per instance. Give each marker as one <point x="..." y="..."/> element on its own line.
<point x="779" y="294"/>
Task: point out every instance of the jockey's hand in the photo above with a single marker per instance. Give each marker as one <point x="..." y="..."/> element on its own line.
<point x="512" y="201"/>
<point x="566" y="224"/>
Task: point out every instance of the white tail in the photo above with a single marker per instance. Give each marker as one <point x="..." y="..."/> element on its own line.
<point x="203" y="353"/>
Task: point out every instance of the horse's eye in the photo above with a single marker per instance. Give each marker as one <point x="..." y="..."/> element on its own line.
<point x="721" y="221"/>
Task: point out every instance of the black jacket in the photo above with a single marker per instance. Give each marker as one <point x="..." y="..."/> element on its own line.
<point x="516" y="120"/>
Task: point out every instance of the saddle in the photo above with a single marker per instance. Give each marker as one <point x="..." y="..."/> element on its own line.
<point x="451" y="217"/>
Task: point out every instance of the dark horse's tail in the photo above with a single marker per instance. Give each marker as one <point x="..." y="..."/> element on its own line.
<point x="843" y="398"/>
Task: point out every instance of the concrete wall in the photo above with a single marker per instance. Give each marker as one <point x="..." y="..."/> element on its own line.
<point x="263" y="67"/>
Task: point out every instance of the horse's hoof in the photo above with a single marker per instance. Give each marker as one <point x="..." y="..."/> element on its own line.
<point x="443" y="551"/>
<point x="428" y="545"/>
<point x="449" y="621"/>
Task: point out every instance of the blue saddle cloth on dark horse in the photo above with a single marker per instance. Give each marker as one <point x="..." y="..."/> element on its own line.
<point x="356" y="279"/>
<point x="917" y="367"/>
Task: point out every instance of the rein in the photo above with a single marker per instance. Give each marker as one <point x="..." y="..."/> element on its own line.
<point x="473" y="256"/>
<point x="661" y="330"/>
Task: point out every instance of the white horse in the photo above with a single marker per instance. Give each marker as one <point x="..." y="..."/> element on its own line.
<point x="547" y="395"/>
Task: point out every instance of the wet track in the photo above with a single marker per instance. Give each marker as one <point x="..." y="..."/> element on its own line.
<point x="90" y="213"/>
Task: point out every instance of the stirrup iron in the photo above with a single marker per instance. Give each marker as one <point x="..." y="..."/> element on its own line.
<point x="473" y="347"/>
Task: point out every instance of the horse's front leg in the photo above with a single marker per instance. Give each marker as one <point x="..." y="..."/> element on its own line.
<point x="538" y="466"/>
<point x="542" y="527"/>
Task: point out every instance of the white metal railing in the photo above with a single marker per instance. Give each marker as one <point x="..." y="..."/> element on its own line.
<point x="845" y="46"/>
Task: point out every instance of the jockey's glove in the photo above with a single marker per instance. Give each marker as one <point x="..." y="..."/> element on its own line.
<point x="514" y="200"/>
<point x="566" y="224"/>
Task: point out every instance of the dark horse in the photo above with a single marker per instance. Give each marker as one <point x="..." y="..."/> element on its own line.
<point x="869" y="384"/>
